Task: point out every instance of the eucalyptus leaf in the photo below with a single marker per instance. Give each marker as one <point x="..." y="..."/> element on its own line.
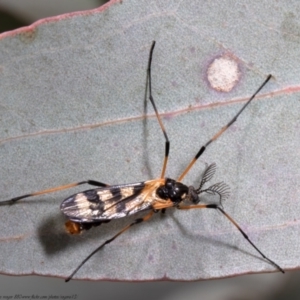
<point x="72" y="108"/>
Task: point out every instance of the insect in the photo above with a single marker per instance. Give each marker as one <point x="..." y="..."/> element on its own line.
<point x="100" y="205"/>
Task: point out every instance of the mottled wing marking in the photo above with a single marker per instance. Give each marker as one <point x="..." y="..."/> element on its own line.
<point x="111" y="202"/>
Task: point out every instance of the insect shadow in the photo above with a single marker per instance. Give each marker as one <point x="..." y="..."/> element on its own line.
<point x="53" y="237"/>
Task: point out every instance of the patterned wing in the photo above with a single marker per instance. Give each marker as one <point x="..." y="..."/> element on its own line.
<point x="111" y="202"/>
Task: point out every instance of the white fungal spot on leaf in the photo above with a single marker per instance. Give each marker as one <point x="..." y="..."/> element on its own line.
<point x="223" y="74"/>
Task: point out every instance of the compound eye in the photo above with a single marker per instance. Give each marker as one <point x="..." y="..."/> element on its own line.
<point x="192" y="195"/>
<point x="195" y="199"/>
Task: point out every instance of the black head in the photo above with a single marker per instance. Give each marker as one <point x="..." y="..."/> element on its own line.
<point x="173" y="190"/>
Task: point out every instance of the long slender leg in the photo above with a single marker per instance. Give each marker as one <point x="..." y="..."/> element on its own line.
<point x="167" y="145"/>
<point x="214" y="206"/>
<point x="223" y="129"/>
<point x="137" y="221"/>
<point x="55" y="189"/>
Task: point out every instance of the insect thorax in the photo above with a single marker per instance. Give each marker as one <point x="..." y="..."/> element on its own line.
<point x="176" y="192"/>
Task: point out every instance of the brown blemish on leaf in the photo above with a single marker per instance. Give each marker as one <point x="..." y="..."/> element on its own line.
<point x="28" y="36"/>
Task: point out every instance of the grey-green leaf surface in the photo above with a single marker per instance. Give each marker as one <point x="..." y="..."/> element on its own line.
<point x="72" y="107"/>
